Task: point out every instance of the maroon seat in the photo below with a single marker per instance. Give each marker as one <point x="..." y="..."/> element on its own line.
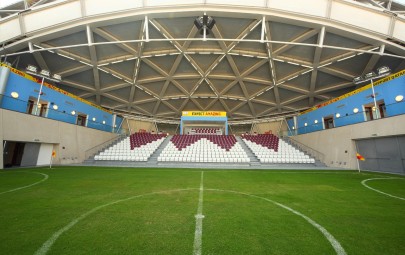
<point x="266" y="140"/>
<point x="224" y="141"/>
<point x="143" y="138"/>
<point x="205" y="131"/>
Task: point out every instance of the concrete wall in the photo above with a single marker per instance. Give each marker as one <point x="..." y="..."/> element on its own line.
<point x="136" y="125"/>
<point x="338" y="144"/>
<point x="273" y="126"/>
<point x="70" y="141"/>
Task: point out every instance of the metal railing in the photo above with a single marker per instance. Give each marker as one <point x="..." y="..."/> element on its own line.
<point x="305" y="148"/>
<point x="93" y="151"/>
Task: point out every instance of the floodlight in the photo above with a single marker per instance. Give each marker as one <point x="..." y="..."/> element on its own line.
<point x="204" y="22"/>
<point x="384" y="70"/>
<point x="57" y="77"/>
<point x="45" y="73"/>
<point x="357" y="80"/>
<point x="31" y="68"/>
<point x="369" y="75"/>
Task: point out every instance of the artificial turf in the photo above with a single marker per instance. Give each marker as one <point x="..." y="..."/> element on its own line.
<point x="104" y="210"/>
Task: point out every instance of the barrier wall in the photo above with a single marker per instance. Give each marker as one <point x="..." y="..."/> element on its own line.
<point x="338" y="144"/>
<point x="69" y="141"/>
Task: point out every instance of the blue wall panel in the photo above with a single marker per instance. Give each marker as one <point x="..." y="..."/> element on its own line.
<point x="66" y="104"/>
<point x="386" y="91"/>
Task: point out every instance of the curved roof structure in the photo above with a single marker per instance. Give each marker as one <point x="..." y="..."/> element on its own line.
<point x="261" y="59"/>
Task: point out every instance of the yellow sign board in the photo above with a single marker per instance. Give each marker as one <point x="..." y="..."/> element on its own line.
<point x="204" y="114"/>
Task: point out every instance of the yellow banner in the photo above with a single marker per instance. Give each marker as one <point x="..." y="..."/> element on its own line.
<point x="388" y="78"/>
<point x="204" y="114"/>
<point x="37" y="80"/>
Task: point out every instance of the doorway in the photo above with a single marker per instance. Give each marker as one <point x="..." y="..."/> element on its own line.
<point x="12" y="153"/>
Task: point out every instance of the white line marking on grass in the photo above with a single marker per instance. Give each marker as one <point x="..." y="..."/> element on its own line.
<point x="198" y="220"/>
<point x="24" y="187"/>
<point x="379" y="191"/>
<point x="48" y="244"/>
<point x="332" y="240"/>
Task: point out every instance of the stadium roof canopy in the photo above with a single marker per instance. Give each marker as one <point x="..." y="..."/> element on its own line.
<point x="261" y="58"/>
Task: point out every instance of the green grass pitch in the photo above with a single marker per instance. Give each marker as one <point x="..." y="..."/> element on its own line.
<point x="89" y="210"/>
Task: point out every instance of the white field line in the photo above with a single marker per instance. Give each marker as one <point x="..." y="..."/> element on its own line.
<point x="198" y="220"/>
<point x="379" y="191"/>
<point x="288" y="171"/>
<point x="332" y="240"/>
<point x="24" y="187"/>
<point x="48" y="244"/>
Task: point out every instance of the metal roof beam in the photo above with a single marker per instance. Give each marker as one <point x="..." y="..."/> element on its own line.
<point x="298" y="39"/>
<point x="317" y="58"/>
<point x="93" y="61"/>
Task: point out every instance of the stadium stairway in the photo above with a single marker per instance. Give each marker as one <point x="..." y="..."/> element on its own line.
<point x="91" y="159"/>
<point x="254" y="161"/>
<point x="317" y="163"/>
<point x="153" y="158"/>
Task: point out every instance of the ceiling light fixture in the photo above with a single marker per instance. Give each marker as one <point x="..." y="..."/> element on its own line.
<point x="204" y="24"/>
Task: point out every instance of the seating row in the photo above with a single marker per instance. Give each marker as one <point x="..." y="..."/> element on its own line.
<point x="121" y="158"/>
<point x="224" y="141"/>
<point x="208" y="160"/>
<point x="287" y="160"/>
<point x="203" y="149"/>
<point x="206" y="131"/>
<point x="266" y="140"/>
<point x="142" y="138"/>
<point x="285" y="153"/>
<point x="126" y="151"/>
